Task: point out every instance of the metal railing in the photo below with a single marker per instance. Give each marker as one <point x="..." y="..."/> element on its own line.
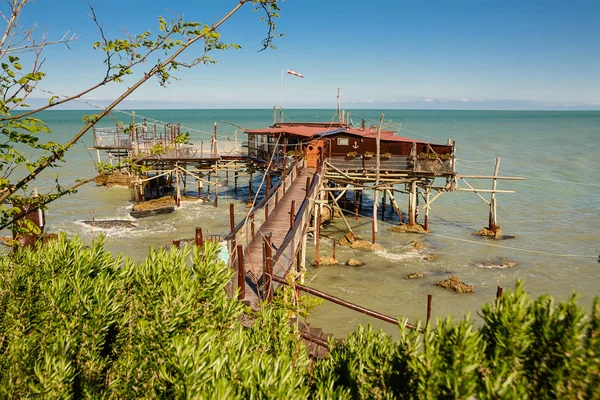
<point x="436" y="165"/>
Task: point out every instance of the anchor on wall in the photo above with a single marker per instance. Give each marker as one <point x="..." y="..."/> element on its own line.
<point x="355" y="145"/>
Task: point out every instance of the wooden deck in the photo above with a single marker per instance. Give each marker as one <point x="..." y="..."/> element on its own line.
<point x="278" y="225"/>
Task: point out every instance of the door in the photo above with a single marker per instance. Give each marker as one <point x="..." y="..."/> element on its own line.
<point x="313" y="152"/>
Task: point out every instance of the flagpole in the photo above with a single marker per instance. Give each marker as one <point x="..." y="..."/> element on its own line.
<point x="281" y="98"/>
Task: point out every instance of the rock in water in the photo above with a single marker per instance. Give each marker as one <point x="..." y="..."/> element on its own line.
<point x="415" y="275"/>
<point x="111" y="223"/>
<point x="489" y="233"/>
<point x="454" y="283"/>
<point x="325" y="261"/>
<point x="353" y="262"/>
<point x="347" y="239"/>
<point x="415" y="244"/>
<point x="364" y="245"/>
<point x="407" y="228"/>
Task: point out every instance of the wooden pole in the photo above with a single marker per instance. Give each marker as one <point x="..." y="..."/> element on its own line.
<point x="499" y="292"/>
<point x="184" y="175"/>
<point x="232" y="223"/>
<point x="493" y="222"/>
<point x="235" y="180"/>
<point x="429" y="299"/>
<point x="377" y="167"/>
<point x="318" y="241"/>
<point x="250" y="186"/>
<point x="177" y="187"/>
<point x="333" y="250"/>
<point x="355" y="203"/>
<point x="426" y="219"/>
<point x="216" y="203"/>
<point x="177" y="243"/>
<point x="267" y="189"/>
<point x="393" y="201"/>
<point x="373" y="228"/>
<point x="267" y="254"/>
<point x="274" y="115"/>
<point x="412" y="200"/>
<point x="199" y="238"/>
<point x="241" y="273"/>
<point x="341" y="213"/>
<point x="383" y="201"/>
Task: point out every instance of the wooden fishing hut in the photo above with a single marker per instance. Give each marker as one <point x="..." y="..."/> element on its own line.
<point x="161" y="158"/>
<point x="360" y="158"/>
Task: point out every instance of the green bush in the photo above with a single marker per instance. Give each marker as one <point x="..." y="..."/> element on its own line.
<point x="76" y="321"/>
<point x="525" y="349"/>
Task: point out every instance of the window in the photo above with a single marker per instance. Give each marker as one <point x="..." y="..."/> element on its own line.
<point x="343" y="141"/>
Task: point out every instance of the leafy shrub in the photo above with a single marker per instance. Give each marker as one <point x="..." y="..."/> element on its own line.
<point x="76" y="321"/>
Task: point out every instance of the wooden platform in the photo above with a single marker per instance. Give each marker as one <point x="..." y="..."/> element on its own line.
<point x="278" y="225"/>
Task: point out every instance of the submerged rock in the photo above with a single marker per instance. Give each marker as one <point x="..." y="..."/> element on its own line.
<point x="497" y="234"/>
<point x="347" y="239"/>
<point x="408" y="228"/>
<point x="353" y="262"/>
<point x="415" y="275"/>
<point x="499" y="263"/>
<point x="415" y="244"/>
<point x="326" y="261"/>
<point x="111" y="223"/>
<point x="456" y="284"/>
<point x="430" y="257"/>
<point x="364" y="245"/>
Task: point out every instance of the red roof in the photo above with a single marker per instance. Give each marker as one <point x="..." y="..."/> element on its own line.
<point x="311" y="129"/>
<point x="306" y="131"/>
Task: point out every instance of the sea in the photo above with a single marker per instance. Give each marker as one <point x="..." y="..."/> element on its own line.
<point x="554" y="214"/>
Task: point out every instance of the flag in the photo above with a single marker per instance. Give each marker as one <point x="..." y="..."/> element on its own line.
<point x="295" y="73"/>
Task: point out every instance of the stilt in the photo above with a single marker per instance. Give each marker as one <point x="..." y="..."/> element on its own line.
<point x="235" y="180"/>
<point x="216" y="203"/>
<point x="177" y="188"/>
<point x="493" y="221"/>
<point x="241" y="275"/>
<point x="355" y="203"/>
<point x="429" y="300"/>
<point x="184" y="180"/>
<point x="268" y="263"/>
<point x="250" y="187"/>
<point x="426" y="219"/>
<point x="393" y="201"/>
<point x="383" y="201"/>
<point x="341" y="213"/>
<point x="412" y="203"/>
<point x="318" y="241"/>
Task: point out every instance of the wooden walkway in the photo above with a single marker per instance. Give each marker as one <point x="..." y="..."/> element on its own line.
<point x="278" y="225"/>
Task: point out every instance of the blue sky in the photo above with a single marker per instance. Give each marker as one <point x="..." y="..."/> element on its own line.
<point x="383" y="54"/>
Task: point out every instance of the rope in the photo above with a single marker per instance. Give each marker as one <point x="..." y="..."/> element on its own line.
<point x="485" y="244"/>
<point x="511" y="247"/>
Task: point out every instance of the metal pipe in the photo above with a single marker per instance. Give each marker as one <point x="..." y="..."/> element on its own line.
<point x="344" y="303"/>
<point x="241" y="273"/>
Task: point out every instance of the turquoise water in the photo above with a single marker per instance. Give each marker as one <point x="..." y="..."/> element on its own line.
<point x="554" y="214"/>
